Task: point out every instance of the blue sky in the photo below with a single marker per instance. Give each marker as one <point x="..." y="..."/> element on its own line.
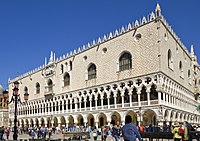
<point x="30" y="29"/>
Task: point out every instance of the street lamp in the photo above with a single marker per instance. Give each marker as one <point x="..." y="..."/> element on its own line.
<point x="15" y="98"/>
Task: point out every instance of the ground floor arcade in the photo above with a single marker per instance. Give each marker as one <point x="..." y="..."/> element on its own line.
<point x="149" y="115"/>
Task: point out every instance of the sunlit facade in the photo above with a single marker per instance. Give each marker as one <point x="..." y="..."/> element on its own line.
<point x="142" y="70"/>
<point x="3" y="109"/>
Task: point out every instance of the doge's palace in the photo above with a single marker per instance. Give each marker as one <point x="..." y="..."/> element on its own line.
<point x="142" y="70"/>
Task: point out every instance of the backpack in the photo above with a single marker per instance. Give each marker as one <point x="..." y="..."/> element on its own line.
<point x="180" y="131"/>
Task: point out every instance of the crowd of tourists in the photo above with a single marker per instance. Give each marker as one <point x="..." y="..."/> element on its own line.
<point x="129" y="132"/>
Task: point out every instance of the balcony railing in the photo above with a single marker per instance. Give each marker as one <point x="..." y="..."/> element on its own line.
<point x="153" y="102"/>
<point x="48" y="90"/>
<point x="94" y="108"/>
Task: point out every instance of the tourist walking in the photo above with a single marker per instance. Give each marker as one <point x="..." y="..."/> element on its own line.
<point x="175" y="131"/>
<point x="1" y="132"/>
<point x="95" y="133"/>
<point x="116" y="132"/>
<point x="130" y="131"/>
<point x="50" y="132"/>
<point x="7" y="133"/>
<point x="32" y="134"/>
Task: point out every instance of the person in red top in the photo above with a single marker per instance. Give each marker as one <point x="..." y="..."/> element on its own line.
<point x="141" y="128"/>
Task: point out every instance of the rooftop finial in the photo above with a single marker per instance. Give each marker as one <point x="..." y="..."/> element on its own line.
<point x="192" y="50"/>
<point x="158" y="10"/>
<point x="51" y="57"/>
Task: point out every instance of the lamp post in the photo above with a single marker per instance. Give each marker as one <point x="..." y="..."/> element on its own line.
<point x="15" y="98"/>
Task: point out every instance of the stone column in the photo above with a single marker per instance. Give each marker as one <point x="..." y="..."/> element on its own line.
<point x="85" y="105"/>
<point x="139" y="102"/>
<point x="96" y="103"/>
<point x="97" y="125"/>
<point x="90" y="104"/>
<point x="164" y="97"/>
<point x="148" y="97"/>
<point x="52" y="123"/>
<point x="75" y="102"/>
<point x="101" y="103"/>
<point x="130" y="99"/>
<point x="109" y="102"/>
<point x="167" y="98"/>
<point x="67" y="106"/>
<point x="170" y="99"/>
<point x="71" y="106"/>
<point x="80" y="105"/>
<point x="63" y="109"/>
<point x="159" y="98"/>
<point x="115" y="102"/>
<point x="122" y="100"/>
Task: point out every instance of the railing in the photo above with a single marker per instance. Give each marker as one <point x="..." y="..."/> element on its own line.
<point x="144" y="102"/>
<point x="105" y="107"/>
<point x="134" y="103"/>
<point x="126" y="104"/>
<point x="112" y="106"/>
<point x="152" y="102"/>
<point x="119" y="105"/>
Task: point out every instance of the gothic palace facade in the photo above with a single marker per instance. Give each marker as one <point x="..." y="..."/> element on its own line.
<point x="142" y="70"/>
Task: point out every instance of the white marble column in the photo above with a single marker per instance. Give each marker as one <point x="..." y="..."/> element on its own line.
<point x="90" y="104"/>
<point x="164" y="97"/>
<point x="85" y="105"/>
<point x="130" y="99"/>
<point x="76" y="105"/>
<point x="97" y="125"/>
<point x="115" y="102"/>
<point x="96" y="103"/>
<point x="148" y="97"/>
<point x="80" y="105"/>
<point x="159" y="98"/>
<point x="109" y="102"/>
<point x="139" y="102"/>
<point x="101" y="103"/>
<point x="71" y="107"/>
<point x="63" y="109"/>
<point x="167" y="100"/>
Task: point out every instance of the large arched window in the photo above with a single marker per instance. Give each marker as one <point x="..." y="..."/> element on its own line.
<point x="125" y="61"/>
<point x="50" y="85"/>
<point x="67" y="79"/>
<point x="37" y="86"/>
<point x="92" y="72"/>
<point x="170" y="60"/>
<point x="181" y="69"/>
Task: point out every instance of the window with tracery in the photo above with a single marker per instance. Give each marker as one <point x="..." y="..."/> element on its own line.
<point x="67" y="79"/>
<point x="50" y="85"/>
<point x="37" y="88"/>
<point x="92" y="72"/>
<point x="125" y="61"/>
<point x="181" y="69"/>
<point x="170" y="60"/>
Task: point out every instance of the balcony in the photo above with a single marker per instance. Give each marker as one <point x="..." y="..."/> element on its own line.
<point x="48" y="92"/>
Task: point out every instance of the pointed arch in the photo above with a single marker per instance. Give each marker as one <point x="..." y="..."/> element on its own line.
<point x="37" y="87"/>
<point x="66" y="79"/>
<point x="170" y="59"/>
<point x="125" y="61"/>
<point x="92" y="71"/>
